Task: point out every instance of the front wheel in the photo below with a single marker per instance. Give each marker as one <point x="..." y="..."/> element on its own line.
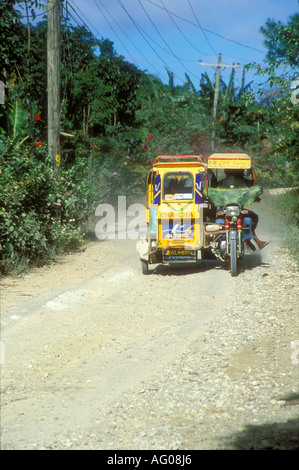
<point x="233" y="258"/>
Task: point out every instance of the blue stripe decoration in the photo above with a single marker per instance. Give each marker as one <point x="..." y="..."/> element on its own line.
<point x="157" y="190"/>
<point x="198" y="189"/>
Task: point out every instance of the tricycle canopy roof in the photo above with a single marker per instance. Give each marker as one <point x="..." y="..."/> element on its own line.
<point x="229" y="160"/>
<point x="178" y="160"/>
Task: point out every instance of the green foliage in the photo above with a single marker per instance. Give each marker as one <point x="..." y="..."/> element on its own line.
<point x="12" y="32"/>
<point x="40" y="212"/>
<point x="282" y="41"/>
<point x="105" y="95"/>
<point x="290" y="203"/>
<point x="284" y="207"/>
<point x="279" y="114"/>
<point x="120" y="119"/>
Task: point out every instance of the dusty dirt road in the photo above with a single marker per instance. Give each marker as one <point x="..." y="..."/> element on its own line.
<point x="80" y="333"/>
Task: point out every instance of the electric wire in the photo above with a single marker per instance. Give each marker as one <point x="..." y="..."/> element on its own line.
<point x="88" y="29"/>
<point x="81" y="12"/>
<point x="207" y="30"/>
<point x="156" y="29"/>
<point x="82" y="21"/>
<point x="157" y="71"/>
<point x="112" y="28"/>
<point x="143" y="35"/>
<point x="171" y="53"/>
<point x="179" y="29"/>
<point x="128" y="38"/>
<point x="38" y="14"/>
<point x="203" y="32"/>
<point x="124" y="33"/>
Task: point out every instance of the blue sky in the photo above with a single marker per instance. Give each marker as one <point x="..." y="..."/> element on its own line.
<point x="177" y="34"/>
<point x="154" y="34"/>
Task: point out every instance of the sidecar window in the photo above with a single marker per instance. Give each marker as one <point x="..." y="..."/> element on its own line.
<point x="178" y="186"/>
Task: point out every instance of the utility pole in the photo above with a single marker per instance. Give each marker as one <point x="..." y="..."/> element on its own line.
<point x="218" y="66"/>
<point x="53" y="74"/>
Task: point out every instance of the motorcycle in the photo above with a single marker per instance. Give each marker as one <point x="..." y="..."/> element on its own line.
<point x="233" y="225"/>
<point x="228" y="241"/>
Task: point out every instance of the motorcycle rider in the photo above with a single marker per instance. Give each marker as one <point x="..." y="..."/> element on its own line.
<point x="237" y="179"/>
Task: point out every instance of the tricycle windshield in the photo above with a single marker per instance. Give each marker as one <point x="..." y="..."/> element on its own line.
<point x="178" y="186"/>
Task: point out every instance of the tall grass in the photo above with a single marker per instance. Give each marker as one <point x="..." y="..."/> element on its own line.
<point x="284" y="207"/>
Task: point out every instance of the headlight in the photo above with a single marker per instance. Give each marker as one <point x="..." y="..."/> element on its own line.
<point x="232" y="211"/>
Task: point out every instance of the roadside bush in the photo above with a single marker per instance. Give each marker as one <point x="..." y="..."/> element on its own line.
<point x="41" y="212"/>
<point x="273" y="170"/>
<point x="288" y="204"/>
<point x="284" y="207"/>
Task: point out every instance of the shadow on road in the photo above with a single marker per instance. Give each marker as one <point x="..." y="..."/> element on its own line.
<point x="248" y="262"/>
<point x="181" y="269"/>
<point x="252" y="261"/>
<point x="268" y="436"/>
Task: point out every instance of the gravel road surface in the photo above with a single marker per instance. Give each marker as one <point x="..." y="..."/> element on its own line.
<point x="97" y="356"/>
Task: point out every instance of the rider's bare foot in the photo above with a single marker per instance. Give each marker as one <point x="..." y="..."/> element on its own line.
<point x="259" y="242"/>
<point x="262" y="245"/>
<point x="248" y="245"/>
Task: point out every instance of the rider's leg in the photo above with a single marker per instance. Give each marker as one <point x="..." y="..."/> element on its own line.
<point x="248" y="234"/>
<point x="255" y="219"/>
<point x="260" y="243"/>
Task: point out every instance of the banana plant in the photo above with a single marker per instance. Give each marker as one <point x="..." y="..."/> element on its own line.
<point x="18" y="119"/>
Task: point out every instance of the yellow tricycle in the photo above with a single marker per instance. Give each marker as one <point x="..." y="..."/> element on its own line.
<point x="176" y="209"/>
<point x="190" y="216"/>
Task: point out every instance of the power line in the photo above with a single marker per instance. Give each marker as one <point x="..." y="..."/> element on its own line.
<point x="143" y="35"/>
<point x="207" y="30"/>
<point x="110" y="25"/>
<point x="45" y="12"/>
<point x="158" y="45"/>
<point x="78" y="24"/>
<point x="171" y="53"/>
<point x="83" y="15"/>
<point x="75" y="10"/>
<point x="142" y="32"/>
<point x="83" y="22"/>
<point x="201" y="27"/>
<point x="124" y="33"/>
<point x="179" y="29"/>
<point x="165" y="41"/>
<point x="88" y="29"/>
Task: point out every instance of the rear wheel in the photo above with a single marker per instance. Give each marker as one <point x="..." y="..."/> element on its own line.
<point x="144" y="267"/>
<point x="233" y="258"/>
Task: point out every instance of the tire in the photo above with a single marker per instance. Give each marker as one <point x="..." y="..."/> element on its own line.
<point x="233" y="258"/>
<point x="144" y="267"/>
